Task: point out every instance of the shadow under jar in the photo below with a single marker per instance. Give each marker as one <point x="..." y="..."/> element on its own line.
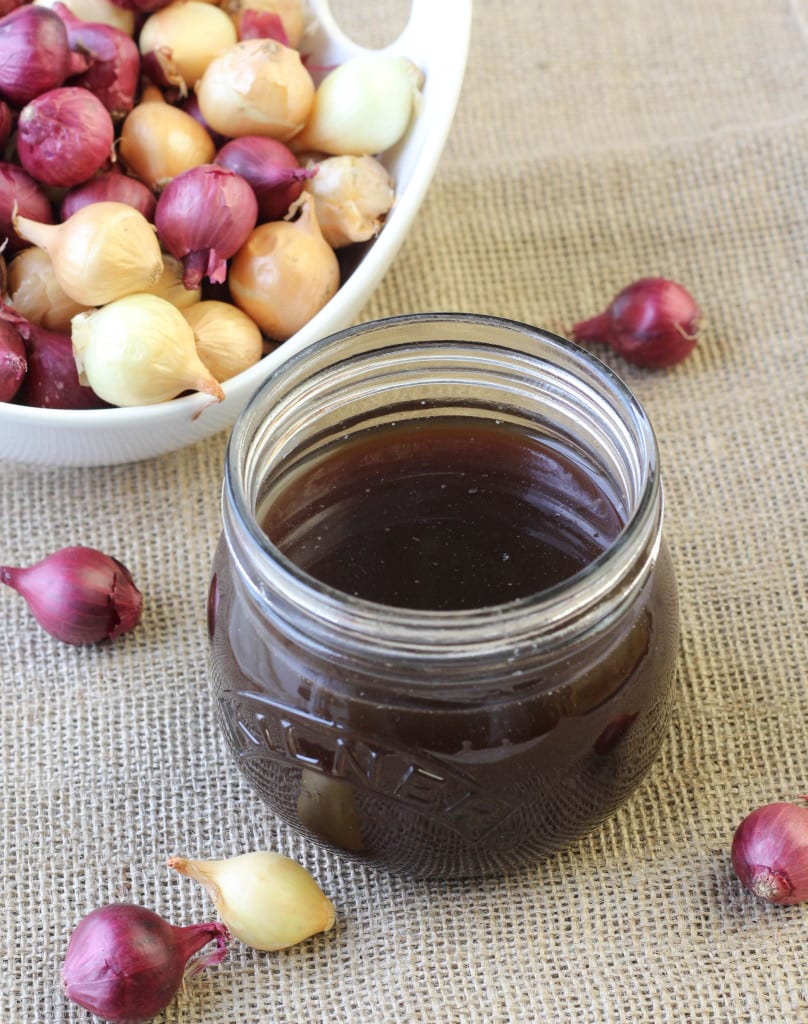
<point x="443" y="617"/>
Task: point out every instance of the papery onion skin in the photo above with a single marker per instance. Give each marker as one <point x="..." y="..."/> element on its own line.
<point x="203" y="216"/>
<point x="126" y="963"/>
<point x="111" y="186"/>
<point x="13" y="361"/>
<point x="270" y="168"/>
<point x="352" y="197"/>
<point x="284" y="274"/>
<point x="64" y="136"/>
<point x="114" y="72"/>
<point x="34" y="53"/>
<point x="652" y="323"/>
<point x="770" y="852"/>
<point x="19" y="190"/>
<point x="159" y="141"/>
<point x="257" y="87"/>
<point x="79" y="595"/>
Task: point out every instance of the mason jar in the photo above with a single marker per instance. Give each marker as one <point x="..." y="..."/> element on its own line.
<point x="443" y="616"/>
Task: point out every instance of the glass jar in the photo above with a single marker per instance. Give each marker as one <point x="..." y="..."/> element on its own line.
<point x="443" y="742"/>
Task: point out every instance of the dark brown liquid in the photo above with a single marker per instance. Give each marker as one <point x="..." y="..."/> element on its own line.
<point x="445" y="515"/>
<point x="441" y="779"/>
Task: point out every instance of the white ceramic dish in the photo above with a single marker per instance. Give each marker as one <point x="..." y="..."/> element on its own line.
<point x="436" y="38"/>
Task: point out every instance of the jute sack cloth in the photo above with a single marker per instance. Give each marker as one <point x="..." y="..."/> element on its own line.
<point x="594" y="144"/>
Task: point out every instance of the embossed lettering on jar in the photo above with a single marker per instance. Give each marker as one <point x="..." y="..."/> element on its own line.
<point x="443" y="615"/>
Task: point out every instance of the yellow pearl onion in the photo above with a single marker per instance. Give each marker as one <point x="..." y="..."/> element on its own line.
<point x="363" y="106"/>
<point x="139" y="350"/>
<point x="267" y="900"/>
<point x="257" y="87"/>
<point x="227" y="340"/>
<point x="352" y="196"/>
<point x="103" y="251"/>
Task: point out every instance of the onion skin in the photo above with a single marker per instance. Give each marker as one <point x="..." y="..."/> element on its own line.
<point x="770" y="853"/>
<point x="352" y="197"/>
<point x="34" y="53"/>
<point x="111" y="186"/>
<point x="13" y="361"/>
<point x="126" y="963"/>
<point x="652" y="323"/>
<point x="64" y="136"/>
<point x="18" y="187"/>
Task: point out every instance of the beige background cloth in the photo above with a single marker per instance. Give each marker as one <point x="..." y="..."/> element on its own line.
<point x="594" y="143"/>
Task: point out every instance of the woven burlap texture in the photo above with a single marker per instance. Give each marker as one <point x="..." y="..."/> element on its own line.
<point x="594" y="143"/>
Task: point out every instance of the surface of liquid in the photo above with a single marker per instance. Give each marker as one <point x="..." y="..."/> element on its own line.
<point x="442" y="515"/>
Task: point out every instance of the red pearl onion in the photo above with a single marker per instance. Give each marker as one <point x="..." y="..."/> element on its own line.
<point x="255" y="24"/>
<point x="270" y="168"/>
<point x="770" y="852"/>
<point x="7" y="6"/>
<point x="17" y="186"/>
<point x="203" y="217"/>
<point x="652" y="323"/>
<point x="13" y="361"/>
<point x="126" y="963"/>
<point x="141" y="6"/>
<point x="112" y="186"/>
<point x="64" y="136"/>
<point x="113" y="71"/>
<point x="6" y="122"/>
<point x="52" y="380"/>
<point x="34" y="53"/>
<point x="78" y="594"/>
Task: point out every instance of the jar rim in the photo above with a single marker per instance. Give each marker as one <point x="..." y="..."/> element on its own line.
<point x="563" y="608"/>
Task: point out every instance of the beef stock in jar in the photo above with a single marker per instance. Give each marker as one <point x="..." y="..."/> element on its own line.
<point x="443" y="617"/>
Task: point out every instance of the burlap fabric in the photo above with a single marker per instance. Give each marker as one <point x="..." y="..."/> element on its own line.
<point x="594" y="143"/>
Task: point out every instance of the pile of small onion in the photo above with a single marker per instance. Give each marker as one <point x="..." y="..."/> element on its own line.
<point x="175" y="183"/>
